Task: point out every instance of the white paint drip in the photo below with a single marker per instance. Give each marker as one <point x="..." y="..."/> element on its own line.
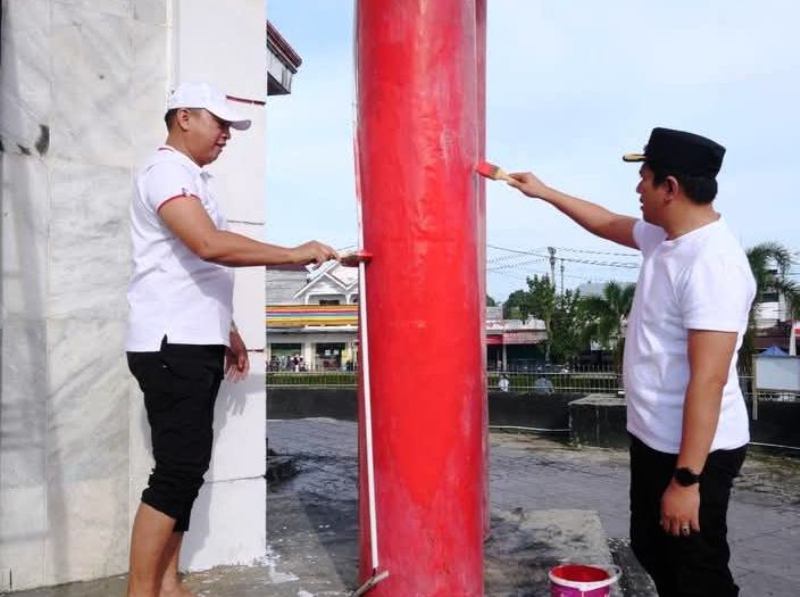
<point x="270" y="562"/>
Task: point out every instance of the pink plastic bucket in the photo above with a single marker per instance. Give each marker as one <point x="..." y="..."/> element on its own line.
<point x="579" y="580"/>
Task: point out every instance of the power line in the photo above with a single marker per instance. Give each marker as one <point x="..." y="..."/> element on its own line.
<point x="620" y="264"/>
<point x="593" y="252"/>
<point x="537" y="272"/>
<point x="519" y="264"/>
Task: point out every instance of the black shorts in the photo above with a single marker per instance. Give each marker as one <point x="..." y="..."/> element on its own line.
<point x="180" y="384"/>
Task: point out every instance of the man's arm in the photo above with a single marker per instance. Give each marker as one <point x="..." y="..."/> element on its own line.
<point x="710" y="355"/>
<point x="188" y="220"/>
<point x="594" y="218"/>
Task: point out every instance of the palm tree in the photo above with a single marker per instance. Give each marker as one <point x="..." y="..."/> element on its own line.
<point x="607" y="315"/>
<point x="770" y="263"/>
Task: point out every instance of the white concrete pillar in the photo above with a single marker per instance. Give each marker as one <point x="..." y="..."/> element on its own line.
<point x="225" y="43"/>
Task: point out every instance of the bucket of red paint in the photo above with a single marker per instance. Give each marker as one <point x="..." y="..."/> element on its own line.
<point x="580" y="580"/>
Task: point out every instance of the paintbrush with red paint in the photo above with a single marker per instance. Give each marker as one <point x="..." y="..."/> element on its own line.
<point x="354" y="258"/>
<point x="493" y="172"/>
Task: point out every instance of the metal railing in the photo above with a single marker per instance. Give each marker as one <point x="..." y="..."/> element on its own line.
<point x="550" y="380"/>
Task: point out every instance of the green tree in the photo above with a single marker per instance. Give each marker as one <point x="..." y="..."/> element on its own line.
<point x="541" y="303"/>
<point x="568" y="323"/>
<point x="512" y="308"/>
<point x="606" y="316"/>
<point x="490" y="302"/>
<point x="770" y="263"/>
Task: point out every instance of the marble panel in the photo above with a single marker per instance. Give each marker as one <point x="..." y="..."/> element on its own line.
<point x="151" y="11"/>
<point x="240" y="426"/>
<point x="87" y="529"/>
<point x="87" y="435"/>
<point x="224" y="43"/>
<point x="240" y="173"/>
<point x="119" y="8"/>
<point x="22" y="535"/>
<point x="89" y="241"/>
<point x="25" y="215"/>
<point x="149" y="87"/>
<point x="25" y="77"/>
<point x="23" y="404"/>
<point x="92" y="70"/>
<point x="228" y="525"/>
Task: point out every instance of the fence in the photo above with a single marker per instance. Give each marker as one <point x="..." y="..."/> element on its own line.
<point x="539" y="378"/>
<point x="549" y="379"/>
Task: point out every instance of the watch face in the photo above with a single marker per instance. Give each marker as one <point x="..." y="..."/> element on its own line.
<point x="685" y="477"/>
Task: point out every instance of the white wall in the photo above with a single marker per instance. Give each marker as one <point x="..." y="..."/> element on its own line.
<point x="225" y="42"/>
<point x="94" y="74"/>
<point x="73" y="440"/>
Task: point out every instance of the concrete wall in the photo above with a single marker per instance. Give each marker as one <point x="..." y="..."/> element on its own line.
<point x="225" y="42"/>
<point x="83" y="86"/>
<point x="593" y="420"/>
<point x="505" y="409"/>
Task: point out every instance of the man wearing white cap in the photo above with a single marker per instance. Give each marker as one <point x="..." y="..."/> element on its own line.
<point x="181" y="338"/>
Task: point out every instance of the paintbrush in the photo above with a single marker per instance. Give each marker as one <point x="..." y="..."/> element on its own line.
<point x="493" y="172"/>
<point x="354" y="258"/>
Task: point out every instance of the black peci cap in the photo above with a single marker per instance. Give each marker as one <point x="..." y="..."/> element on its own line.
<point x="681" y="152"/>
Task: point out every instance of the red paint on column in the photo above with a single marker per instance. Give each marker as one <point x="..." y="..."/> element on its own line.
<point x="418" y="144"/>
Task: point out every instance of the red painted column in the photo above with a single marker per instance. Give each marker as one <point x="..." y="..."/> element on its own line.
<point x="418" y="137"/>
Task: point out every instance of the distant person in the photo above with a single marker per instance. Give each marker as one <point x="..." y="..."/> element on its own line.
<point x="181" y="337"/>
<point x="542" y="385"/>
<point x="503" y="384"/>
<point x="686" y="414"/>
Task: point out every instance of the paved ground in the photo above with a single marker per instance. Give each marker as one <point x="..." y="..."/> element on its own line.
<point x="535" y="473"/>
<point x="534" y="482"/>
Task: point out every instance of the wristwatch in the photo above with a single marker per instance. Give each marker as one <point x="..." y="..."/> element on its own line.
<point x="685" y="477"/>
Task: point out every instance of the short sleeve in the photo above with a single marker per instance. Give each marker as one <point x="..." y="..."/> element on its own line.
<point x="166" y="181"/>
<point x="717" y="295"/>
<point x="647" y="236"/>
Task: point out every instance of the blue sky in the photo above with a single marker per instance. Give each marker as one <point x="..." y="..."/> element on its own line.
<point x="571" y="86"/>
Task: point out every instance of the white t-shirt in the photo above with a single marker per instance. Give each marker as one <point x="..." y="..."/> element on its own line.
<point x="698" y="281"/>
<point x="172" y="291"/>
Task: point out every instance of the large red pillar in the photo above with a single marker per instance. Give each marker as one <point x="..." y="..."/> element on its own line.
<point x="418" y="132"/>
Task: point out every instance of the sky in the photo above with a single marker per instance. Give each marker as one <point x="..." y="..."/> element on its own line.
<point x="571" y="86"/>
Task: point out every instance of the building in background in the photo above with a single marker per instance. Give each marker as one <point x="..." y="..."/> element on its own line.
<point x="312" y="324"/>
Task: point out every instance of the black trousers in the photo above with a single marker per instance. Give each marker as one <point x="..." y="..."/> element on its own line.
<point x="696" y="565"/>
<point x="180" y="384"/>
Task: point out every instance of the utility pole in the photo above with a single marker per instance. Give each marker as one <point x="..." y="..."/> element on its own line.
<point x="562" y="276"/>
<point x="552" y="251"/>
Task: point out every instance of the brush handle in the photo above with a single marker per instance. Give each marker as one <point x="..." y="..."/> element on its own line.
<point x="501" y="174"/>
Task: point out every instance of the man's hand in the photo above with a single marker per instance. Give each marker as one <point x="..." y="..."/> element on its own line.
<point x="313" y="252"/>
<point x="528" y="184"/>
<point x="680" y="509"/>
<point x="237" y="363"/>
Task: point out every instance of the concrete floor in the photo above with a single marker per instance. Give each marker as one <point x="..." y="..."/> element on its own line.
<point x="544" y="495"/>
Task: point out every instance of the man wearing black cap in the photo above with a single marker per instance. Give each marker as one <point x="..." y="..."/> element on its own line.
<point x="685" y="411"/>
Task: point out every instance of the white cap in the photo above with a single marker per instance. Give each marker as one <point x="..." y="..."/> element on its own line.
<point x="204" y="95"/>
